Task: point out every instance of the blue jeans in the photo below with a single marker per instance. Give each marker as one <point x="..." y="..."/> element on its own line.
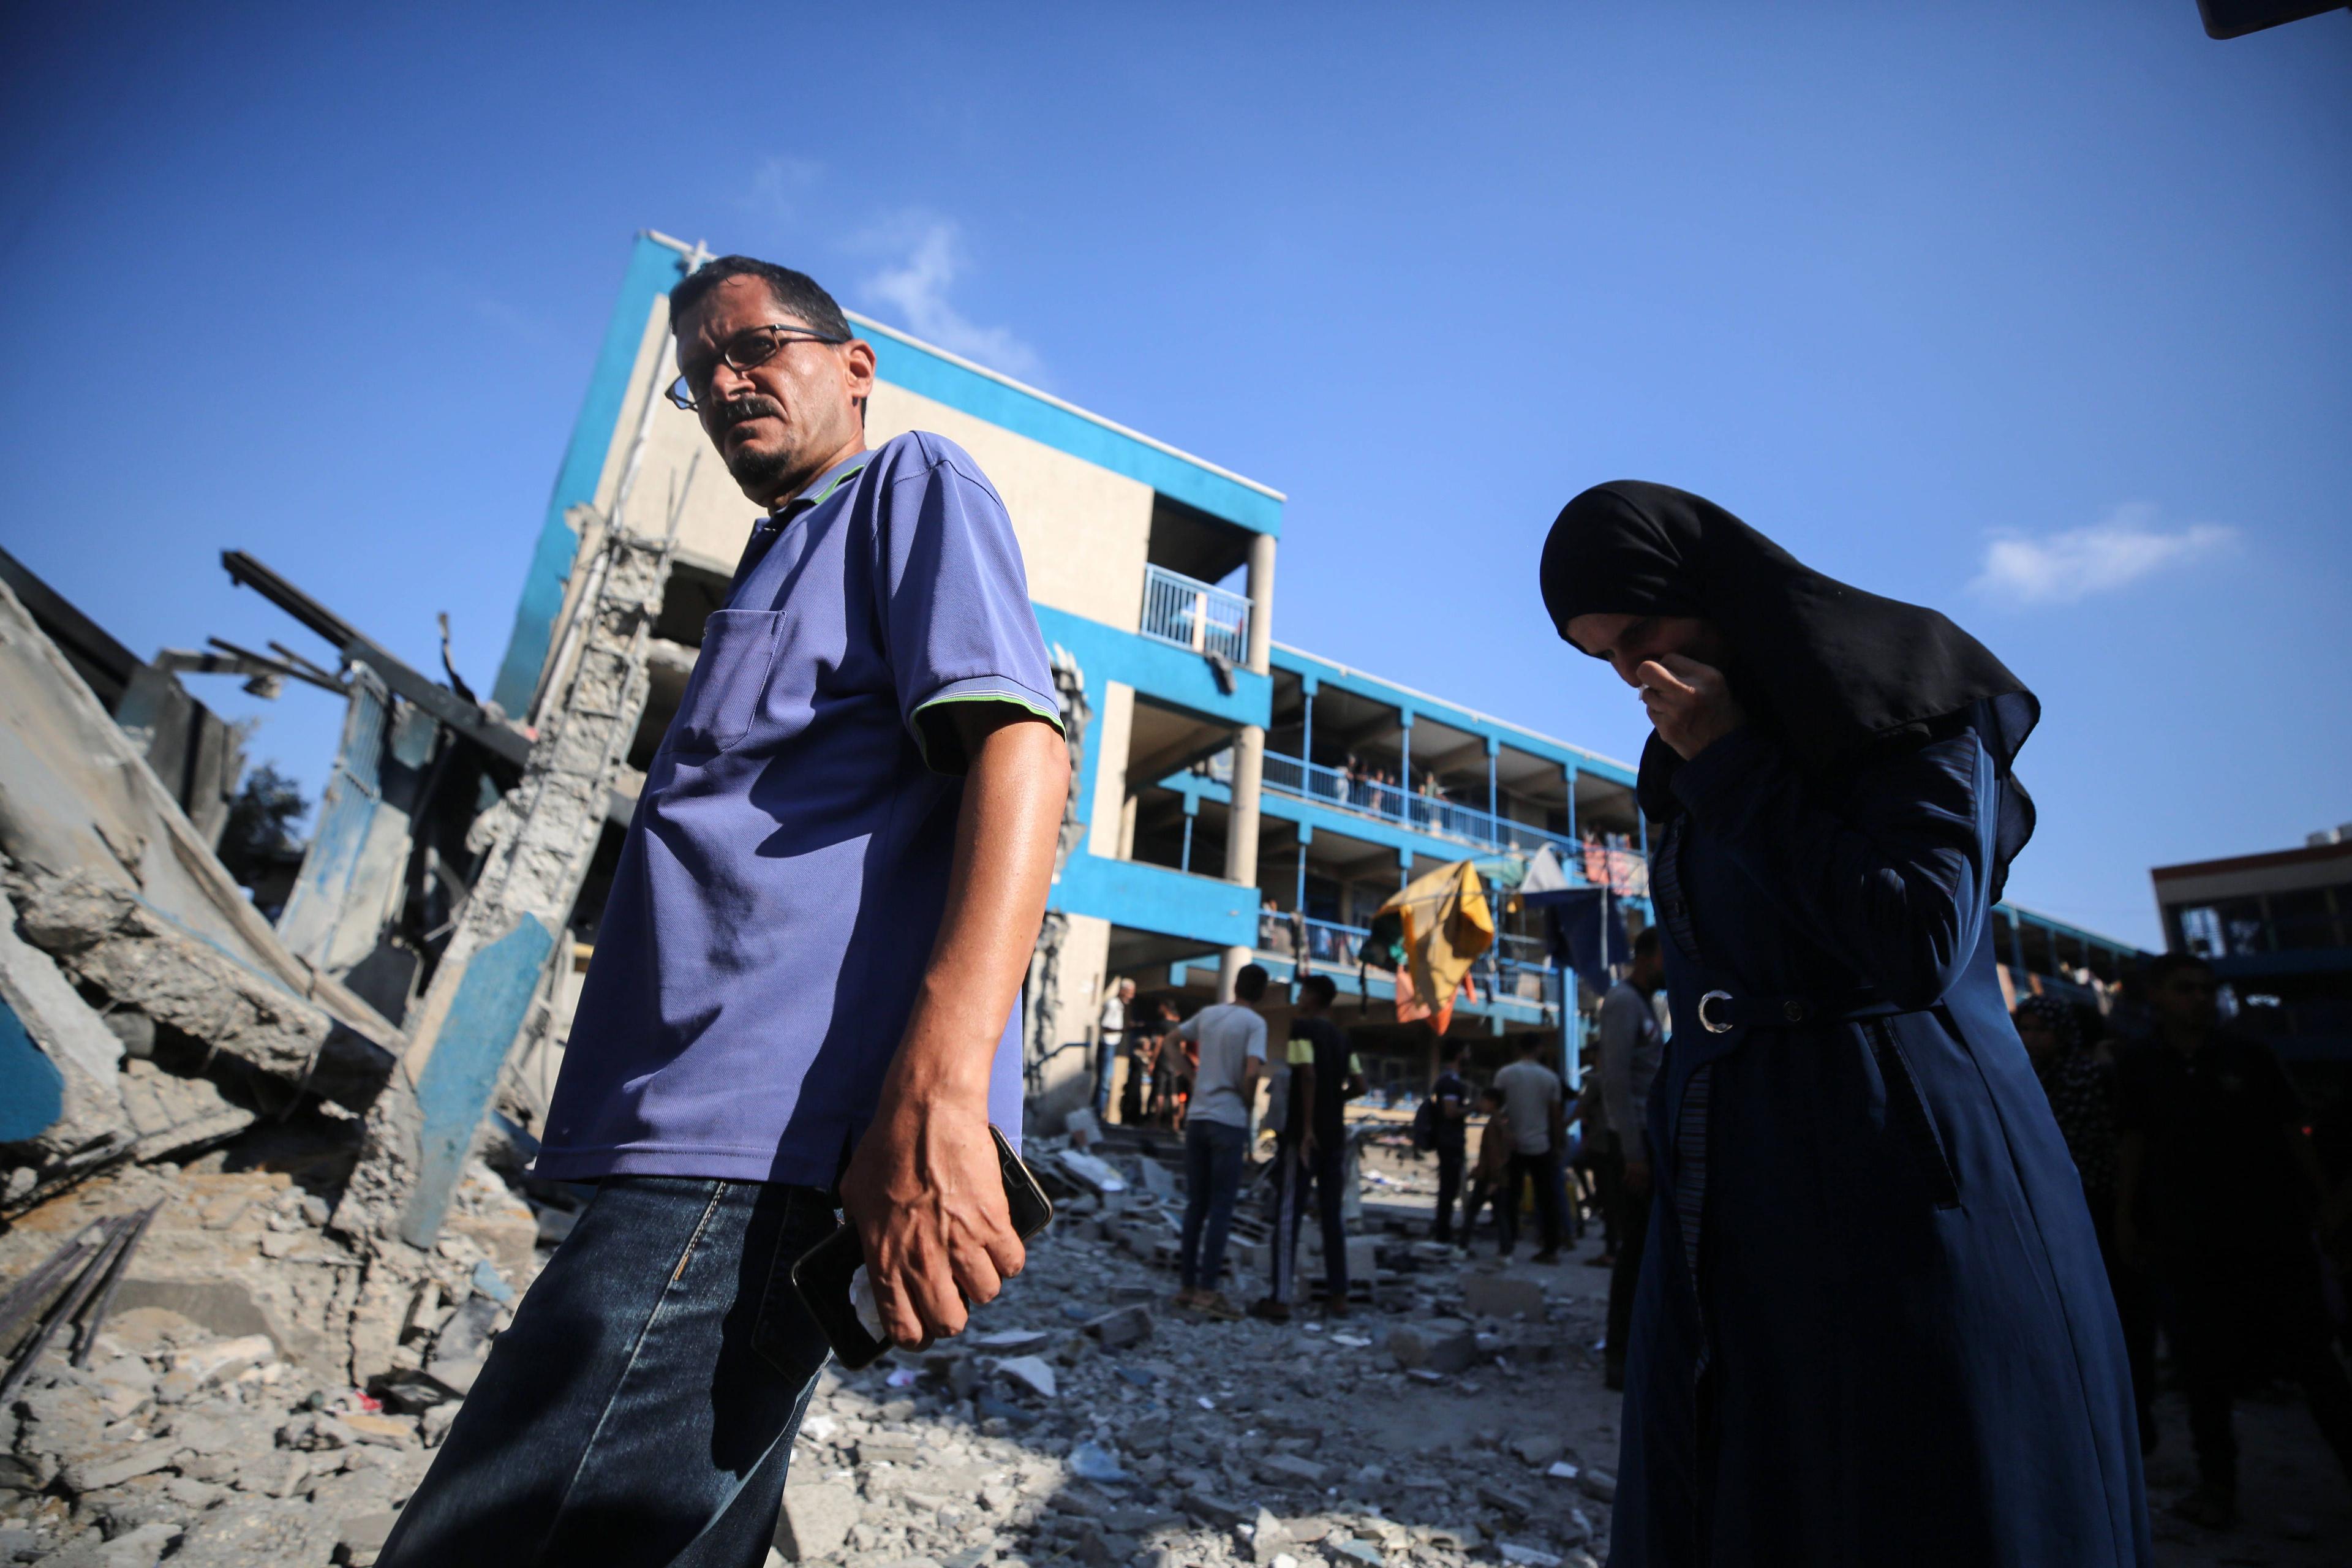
<point x="1212" y="1181"/>
<point x="641" y="1409"/>
<point x="1106" y="1062"/>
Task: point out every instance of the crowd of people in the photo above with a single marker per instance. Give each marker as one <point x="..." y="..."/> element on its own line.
<point x="2213" y="1216"/>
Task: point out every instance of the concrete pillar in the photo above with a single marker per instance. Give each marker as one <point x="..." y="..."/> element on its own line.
<point x="1261" y="598"/>
<point x="1110" y="834"/>
<point x="1240" y="841"/>
<point x="1249" y="760"/>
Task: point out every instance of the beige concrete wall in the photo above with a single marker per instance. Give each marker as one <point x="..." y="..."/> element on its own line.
<point x="1070" y="1012"/>
<point x="1106" y="824"/>
<point x="1083" y="529"/>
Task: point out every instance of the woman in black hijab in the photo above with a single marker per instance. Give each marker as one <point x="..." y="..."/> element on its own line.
<point x="1872" y="1326"/>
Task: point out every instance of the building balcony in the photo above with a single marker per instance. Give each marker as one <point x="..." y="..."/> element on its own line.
<point x="1438" y="818"/>
<point x="1189" y="613"/>
<point x="1511" y="981"/>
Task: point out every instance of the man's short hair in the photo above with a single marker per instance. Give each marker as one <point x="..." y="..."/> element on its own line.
<point x="795" y="293"/>
<point x="2165" y="965"/>
<point x="1646" y="941"/>
<point x="1250" y="983"/>
<point x="1322" y="987"/>
<point x="1491" y="1095"/>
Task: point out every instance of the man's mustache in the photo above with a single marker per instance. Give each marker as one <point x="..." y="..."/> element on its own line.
<point x="736" y="410"/>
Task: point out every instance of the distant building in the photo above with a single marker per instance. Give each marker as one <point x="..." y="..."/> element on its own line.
<point x="2278" y="931"/>
<point x="1240" y="800"/>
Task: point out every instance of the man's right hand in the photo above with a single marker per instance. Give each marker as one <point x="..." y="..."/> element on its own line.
<point x="1637" y="1177"/>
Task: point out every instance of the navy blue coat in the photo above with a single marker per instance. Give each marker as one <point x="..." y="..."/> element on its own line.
<point x="1897" y="1345"/>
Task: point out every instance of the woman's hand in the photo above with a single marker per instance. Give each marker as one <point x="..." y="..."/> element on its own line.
<point x="1689" y="704"/>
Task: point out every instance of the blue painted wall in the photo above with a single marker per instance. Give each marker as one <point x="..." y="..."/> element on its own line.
<point x="454" y="1090"/>
<point x="653" y="270"/>
<point x="32" y="1089"/>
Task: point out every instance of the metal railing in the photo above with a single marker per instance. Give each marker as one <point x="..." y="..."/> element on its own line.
<point x="1193" y="614"/>
<point x="1516" y="973"/>
<point x="1433" y="815"/>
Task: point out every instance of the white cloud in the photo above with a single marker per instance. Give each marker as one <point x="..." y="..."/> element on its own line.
<point x="930" y="258"/>
<point x="778" y="185"/>
<point x="2065" y="567"/>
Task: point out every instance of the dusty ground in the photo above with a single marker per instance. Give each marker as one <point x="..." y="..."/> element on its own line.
<point x="2294" y="1505"/>
<point x="1082" y="1421"/>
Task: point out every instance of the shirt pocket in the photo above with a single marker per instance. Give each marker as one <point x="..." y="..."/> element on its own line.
<point x="722" y="696"/>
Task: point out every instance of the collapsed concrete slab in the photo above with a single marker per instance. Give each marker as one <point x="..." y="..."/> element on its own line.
<point x="58" y="1093"/>
<point x="110" y="880"/>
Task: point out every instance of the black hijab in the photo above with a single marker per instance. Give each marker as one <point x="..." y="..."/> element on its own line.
<point x="1832" y="672"/>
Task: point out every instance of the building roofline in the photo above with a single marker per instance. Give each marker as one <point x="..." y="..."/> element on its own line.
<point x="1022" y="387"/>
<point x="2303" y="856"/>
<point x="1449" y="705"/>
<point x="2069" y="927"/>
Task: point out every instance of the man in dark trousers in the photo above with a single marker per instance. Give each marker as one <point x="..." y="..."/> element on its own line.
<point x="2217" y="1186"/>
<point x="1631" y="1047"/>
<point x="1324" y="1075"/>
<point x="1538" y="1103"/>
<point x="1451" y="1096"/>
<point x="806" y="988"/>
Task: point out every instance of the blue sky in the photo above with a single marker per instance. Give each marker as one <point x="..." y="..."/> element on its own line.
<point x="2040" y="319"/>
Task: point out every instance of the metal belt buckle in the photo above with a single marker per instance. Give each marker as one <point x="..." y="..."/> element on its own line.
<point x="1709" y="1024"/>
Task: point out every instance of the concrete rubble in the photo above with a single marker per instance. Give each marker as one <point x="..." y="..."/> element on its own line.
<point x="327" y="1267"/>
<point x="258" y="1394"/>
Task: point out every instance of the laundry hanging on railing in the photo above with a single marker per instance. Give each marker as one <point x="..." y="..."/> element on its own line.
<point x="1585" y="928"/>
<point x="1430" y="933"/>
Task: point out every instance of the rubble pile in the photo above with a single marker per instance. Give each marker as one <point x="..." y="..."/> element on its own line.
<point x="257" y="1395"/>
<point x="1080" y="1417"/>
<point x="222" y="1415"/>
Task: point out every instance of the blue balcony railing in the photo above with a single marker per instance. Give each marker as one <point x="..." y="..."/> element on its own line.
<point x="1193" y="614"/>
<point x="1433" y="815"/>
<point x="1515" y="972"/>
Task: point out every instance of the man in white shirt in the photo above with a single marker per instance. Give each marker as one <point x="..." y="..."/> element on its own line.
<point x="1537" y="1103"/>
<point x="1231" y="1037"/>
<point x="1111" y="1034"/>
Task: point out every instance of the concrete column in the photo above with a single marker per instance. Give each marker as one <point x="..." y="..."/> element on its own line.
<point x="1241" y="834"/>
<point x="1249" y="760"/>
<point x="1261" y="598"/>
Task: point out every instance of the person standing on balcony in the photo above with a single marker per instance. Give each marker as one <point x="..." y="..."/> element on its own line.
<point x="1231" y="1038"/>
<point x="806" y="988"/>
<point x="1872" y="1318"/>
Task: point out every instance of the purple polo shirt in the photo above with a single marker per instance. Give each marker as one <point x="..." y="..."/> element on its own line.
<point x="783" y="878"/>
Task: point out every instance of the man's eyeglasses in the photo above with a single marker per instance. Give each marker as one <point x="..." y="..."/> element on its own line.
<point x="754" y="346"/>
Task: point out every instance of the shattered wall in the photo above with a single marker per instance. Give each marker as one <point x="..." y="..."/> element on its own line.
<point x="122" y="927"/>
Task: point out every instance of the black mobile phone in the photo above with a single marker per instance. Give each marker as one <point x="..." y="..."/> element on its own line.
<point x="824" y="1273"/>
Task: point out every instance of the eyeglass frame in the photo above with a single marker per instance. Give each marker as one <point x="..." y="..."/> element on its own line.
<point x="776" y="340"/>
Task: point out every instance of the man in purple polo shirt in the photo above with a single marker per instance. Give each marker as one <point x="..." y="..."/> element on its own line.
<point x="806" y="983"/>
